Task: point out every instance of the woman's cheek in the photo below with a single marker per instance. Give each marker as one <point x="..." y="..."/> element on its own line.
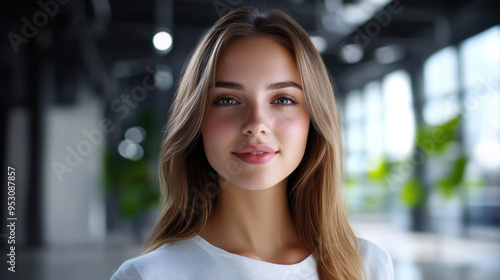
<point x="222" y="125"/>
<point x="294" y="126"/>
<point x="216" y="131"/>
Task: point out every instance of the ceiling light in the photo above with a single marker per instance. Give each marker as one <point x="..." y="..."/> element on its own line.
<point x="164" y="79"/>
<point x="355" y="14"/>
<point x="135" y="134"/>
<point x="352" y="53"/>
<point x="163" y="41"/>
<point x="320" y="43"/>
<point x="389" y="54"/>
<point x="130" y="150"/>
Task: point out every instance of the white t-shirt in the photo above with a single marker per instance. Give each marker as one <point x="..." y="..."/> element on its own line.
<point x="197" y="259"/>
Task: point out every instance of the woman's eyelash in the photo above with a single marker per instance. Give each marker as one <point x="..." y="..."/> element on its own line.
<point x="220" y="99"/>
<point x="287" y="97"/>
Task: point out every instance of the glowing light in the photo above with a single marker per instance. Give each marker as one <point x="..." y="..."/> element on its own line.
<point x="320" y="43"/>
<point x="389" y="54"/>
<point x="163" y="78"/>
<point x="130" y="150"/>
<point x="352" y="53"/>
<point x="355" y="14"/>
<point x="163" y="41"/>
<point x="135" y="134"/>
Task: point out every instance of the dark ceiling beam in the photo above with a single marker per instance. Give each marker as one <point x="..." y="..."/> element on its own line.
<point x="416" y="15"/>
<point x="122" y="69"/>
<point x="164" y="13"/>
<point x="446" y="28"/>
<point x="102" y="10"/>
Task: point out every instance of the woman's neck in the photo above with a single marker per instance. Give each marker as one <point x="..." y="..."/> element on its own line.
<point x="256" y="224"/>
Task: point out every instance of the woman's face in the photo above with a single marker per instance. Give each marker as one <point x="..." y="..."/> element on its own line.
<point x="255" y="131"/>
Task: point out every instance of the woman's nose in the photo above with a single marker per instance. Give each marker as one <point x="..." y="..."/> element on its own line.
<point x="256" y="120"/>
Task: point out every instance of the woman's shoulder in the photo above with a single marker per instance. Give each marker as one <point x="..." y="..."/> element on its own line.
<point x="163" y="261"/>
<point x="368" y="249"/>
<point x="377" y="262"/>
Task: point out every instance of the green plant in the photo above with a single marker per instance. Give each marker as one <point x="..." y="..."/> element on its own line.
<point x="134" y="182"/>
<point x="433" y="143"/>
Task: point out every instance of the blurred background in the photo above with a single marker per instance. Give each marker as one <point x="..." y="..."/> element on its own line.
<point x="86" y="86"/>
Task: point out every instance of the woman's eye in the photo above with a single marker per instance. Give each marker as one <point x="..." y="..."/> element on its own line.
<point x="284" y="101"/>
<point x="225" y="101"/>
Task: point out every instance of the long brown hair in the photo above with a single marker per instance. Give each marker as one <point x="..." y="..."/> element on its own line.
<point x="189" y="185"/>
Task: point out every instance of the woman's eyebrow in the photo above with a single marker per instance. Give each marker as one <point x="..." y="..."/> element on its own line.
<point x="229" y="85"/>
<point x="273" y="86"/>
<point x="283" y="85"/>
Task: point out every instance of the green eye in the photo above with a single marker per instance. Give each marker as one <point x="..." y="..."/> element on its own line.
<point x="225" y="101"/>
<point x="284" y="100"/>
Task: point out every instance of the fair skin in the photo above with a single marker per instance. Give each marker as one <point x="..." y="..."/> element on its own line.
<point x="257" y="102"/>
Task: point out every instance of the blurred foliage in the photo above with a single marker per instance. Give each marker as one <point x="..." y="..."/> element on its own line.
<point x="412" y="192"/>
<point x="450" y="181"/>
<point x="435" y="138"/>
<point x="351" y="181"/>
<point x="433" y="142"/>
<point x="380" y="169"/>
<point x="135" y="182"/>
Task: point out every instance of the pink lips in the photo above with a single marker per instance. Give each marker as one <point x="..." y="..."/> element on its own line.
<point x="256" y="154"/>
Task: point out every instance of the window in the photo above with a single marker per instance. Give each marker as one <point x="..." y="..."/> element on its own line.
<point x="441" y="87"/>
<point x="374" y="115"/>
<point x="480" y="56"/>
<point x="379" y="125"/>
<point x="399" y="116"/>
<point x="355" y="150"/>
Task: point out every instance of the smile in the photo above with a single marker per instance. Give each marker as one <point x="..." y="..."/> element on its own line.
<point x="256" y="154"/>
<point x="255" y="157"/>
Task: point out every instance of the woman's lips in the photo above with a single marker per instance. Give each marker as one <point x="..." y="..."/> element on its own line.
<point x="256" y="154"/>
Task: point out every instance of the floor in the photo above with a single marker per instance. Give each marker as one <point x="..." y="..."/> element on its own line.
<point x="419" y="256"/>
<point x="415" y="257"/>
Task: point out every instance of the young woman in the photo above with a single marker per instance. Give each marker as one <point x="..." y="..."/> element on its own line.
<point x="251" y="165"/>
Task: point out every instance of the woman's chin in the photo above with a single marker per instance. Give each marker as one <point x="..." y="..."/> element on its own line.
<point x="256" y="184"/>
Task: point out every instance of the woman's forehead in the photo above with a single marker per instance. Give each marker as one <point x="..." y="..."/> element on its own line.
<point x="254" y="58"/>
